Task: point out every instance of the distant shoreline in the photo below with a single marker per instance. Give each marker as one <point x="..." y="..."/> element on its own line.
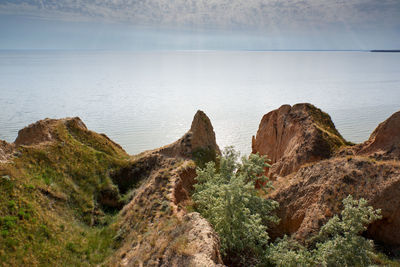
<point x="386" y="51"/>
<point x="194" y="50"/>
<point x="184" y="50"/>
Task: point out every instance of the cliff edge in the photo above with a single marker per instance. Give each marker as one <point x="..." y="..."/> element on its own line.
<point x="155" y="228"/>
<point x="294" y="135"/>
<point x="70" y="196"/>
<point x="317" y="170"/>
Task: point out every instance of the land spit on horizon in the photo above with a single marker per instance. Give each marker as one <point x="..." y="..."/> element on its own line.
<point x="71" y="196"/>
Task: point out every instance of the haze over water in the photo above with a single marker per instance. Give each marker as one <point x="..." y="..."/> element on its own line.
<point x="144" y="100"/>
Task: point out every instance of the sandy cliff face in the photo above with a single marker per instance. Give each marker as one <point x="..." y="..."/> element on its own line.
<point x="199" y="141"/>
<point x="155" y="228"/>
<point x="311" y="196"/>
<point x="384" y="142"/>
<point x="293" y="136"/>
<point x="72" y="177"/>
<point x="313" y="192"/>
<point x="202" y="133"/>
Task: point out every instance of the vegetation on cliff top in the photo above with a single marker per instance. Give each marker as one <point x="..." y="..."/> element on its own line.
<point x="325" y="124"/>
<point x="57" y="200"/>
<point x="338" y="243"/>
<point x="228" y="198"/>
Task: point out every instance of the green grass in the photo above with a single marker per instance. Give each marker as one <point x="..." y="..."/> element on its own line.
<point x="51" y="211"/>
<point x="329" y="132"/>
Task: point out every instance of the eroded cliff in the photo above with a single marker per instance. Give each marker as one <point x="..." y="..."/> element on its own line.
<point x="293" y="136"/>
<point x="316" y="171"/>
<point x="73" y="197"/>
<point x="154" y="227"/>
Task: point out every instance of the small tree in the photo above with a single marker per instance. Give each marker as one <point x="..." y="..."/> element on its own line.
<point x="228" y="199"/>
<point x="338" y="243"/>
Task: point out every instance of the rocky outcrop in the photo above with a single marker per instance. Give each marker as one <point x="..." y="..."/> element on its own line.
<point x="384" y="142"/>
<point x="36" y="133"/>
<point x="202" y="133"/>
<point x="44" y="131"/>
<point x="48" y="131"/>
<point x="155" y="228"/>
<point x="293" y="136"/>
<point x="198" y="141"/>
<point x="313" y="194"/>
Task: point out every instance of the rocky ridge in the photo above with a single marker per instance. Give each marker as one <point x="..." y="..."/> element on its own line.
<point x="155" y="227"/>
<point x="314" y="175"/>
<point x="383" y="143"/>
<point x="294" y="135"/>
<point x="313" y="166"/>
<point x="199" y="141"/>
<point x="80" y="176"/>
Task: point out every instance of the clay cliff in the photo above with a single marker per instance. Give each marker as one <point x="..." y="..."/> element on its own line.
<point x="293" y="136"/>
<point x="317" y="170"/>
<point x="155" y="227"/>
<point x="384" y="141"/>
<point x="70" y="196"/>
<point x="199" y="142"/>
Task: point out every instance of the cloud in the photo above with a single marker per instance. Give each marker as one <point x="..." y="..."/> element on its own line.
<point x="271" y="15"/>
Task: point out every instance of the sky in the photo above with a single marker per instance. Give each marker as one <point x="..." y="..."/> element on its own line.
<point x="200" y="24"/>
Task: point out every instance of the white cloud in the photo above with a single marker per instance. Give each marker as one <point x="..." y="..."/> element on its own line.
<point x="227" y="14"/>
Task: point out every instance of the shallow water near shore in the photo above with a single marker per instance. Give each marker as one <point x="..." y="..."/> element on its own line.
<point x="144" y="100"/>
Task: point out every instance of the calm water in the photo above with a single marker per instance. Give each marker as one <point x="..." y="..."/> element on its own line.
<point x="144" y="100"/>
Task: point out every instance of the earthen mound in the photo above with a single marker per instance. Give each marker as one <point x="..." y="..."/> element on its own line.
<point x="293" y="136"/>
<point x="43" y="131"/>
<point x="314" y="193"/>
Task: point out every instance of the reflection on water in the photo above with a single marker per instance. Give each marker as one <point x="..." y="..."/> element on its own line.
<point x="144" y="100"/>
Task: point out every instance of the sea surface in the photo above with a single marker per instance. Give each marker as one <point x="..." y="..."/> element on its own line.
<point x="144" y="100"/>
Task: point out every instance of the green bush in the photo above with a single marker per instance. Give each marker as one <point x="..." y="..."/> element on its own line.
<point x="203" y="155"/>
<point x="229" y="200"/>
<point x="338" y="242"/>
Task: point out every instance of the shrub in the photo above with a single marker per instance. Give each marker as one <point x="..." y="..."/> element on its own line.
<point x="229" y="200"/>
<point x="338" y="243"/>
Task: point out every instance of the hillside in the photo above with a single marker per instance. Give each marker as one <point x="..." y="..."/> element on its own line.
<point x="73" y="197"/>
<point x="70" y="196"/>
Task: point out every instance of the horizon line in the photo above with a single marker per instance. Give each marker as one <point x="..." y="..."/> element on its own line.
<point x="199" y="50"/>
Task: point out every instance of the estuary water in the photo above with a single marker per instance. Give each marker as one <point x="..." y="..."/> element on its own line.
<point x="144" y="100"/>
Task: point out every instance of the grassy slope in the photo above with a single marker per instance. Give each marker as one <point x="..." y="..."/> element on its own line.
<point x="324" y="123"/>
<point x="51" y="212"/>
